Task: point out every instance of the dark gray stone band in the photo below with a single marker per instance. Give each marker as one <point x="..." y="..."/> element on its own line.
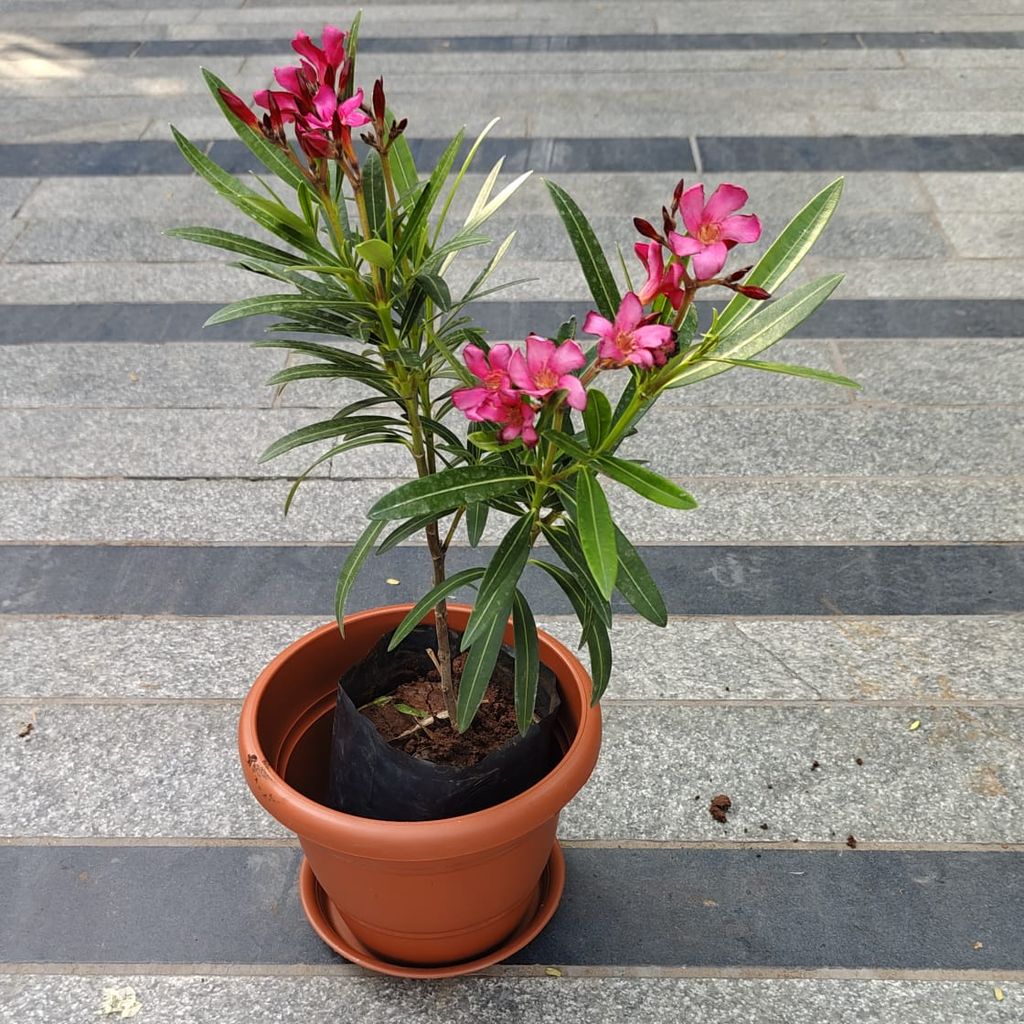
<point x="834" y="153"/>
<point x="663" y="42"/>
<point x="955" y="579"/>
<point x="840" y="318"/>
<point x="739" y="907"/>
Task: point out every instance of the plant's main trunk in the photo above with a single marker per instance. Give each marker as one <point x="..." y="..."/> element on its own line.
<point x="444" y="650"/>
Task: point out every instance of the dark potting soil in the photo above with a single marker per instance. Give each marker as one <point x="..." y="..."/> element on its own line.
<point x="413" y="718"/>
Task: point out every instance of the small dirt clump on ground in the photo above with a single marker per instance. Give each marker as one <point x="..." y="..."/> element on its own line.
<point x="851" y="842"/>
<point x="719" y="808"/>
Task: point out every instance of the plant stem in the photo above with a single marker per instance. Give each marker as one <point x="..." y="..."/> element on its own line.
<point x="437" y="557"/>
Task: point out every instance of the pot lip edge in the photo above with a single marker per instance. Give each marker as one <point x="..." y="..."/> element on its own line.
<point x="483" y="830"/>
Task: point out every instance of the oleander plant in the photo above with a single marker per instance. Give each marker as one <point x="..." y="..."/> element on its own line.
<point x="360" y="246"/>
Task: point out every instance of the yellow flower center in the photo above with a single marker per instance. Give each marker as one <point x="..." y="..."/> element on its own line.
<point x="709" y="233"/>
<point x="546" y="378"/>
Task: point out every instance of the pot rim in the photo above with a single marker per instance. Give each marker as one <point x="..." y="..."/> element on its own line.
<point x="485" y="829"/>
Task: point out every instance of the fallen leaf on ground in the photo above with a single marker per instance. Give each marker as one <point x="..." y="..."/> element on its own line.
<point x="978" y="945"/>
<point x="120" y="1001"/>
<point x="552" y="972"/>
<point x="392" y="582"/>
<point x="915" y="724"/>
<point x="998" y="993"/>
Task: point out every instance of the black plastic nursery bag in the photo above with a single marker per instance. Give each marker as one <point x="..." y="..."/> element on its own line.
<point x="372" y="779"/>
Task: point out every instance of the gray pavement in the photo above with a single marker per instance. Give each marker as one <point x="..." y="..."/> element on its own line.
<point x="898" y="729"/>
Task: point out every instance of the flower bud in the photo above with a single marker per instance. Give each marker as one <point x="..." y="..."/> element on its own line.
<point x="647" y="229"/>
<point x="752" y="291"/>
<point x="379" y="104"/>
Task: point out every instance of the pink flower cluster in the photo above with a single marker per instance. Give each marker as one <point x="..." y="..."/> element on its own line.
<point x="509" y="381"/>
<point x="309" y="97"/>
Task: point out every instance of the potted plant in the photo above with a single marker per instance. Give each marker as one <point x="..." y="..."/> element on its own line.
<point x="426" y="787"/>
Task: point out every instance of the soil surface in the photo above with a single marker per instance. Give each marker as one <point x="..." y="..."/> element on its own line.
<point x="413" y="719"/>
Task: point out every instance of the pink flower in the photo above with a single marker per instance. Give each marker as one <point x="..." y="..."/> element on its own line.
<point x="487" y="401"/>
<point x="629" y="340"/>
<point x="547" y="368"/>
<point x="329" y="113"/>
<point x="284" y="102"/>
<point x="712" y="232"/>
<point x="325" y="62"/>
<point x="517" y="417"/>
<point x="659" y="281"/>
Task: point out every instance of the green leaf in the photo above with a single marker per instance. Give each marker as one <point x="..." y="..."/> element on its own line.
<point x="566" y="331"/>
<point x="409" y="527"/>
<point x="646" y="482"/>
<point x="597" y="416"/>
<point x="489" y="443"/>
<point x="479" y="666"/>
<point x="272" y="157"/>
<point x="436" y="289"/>
<point x="636" y="584"/>
<point x="350" y="570"/>
<point x="429" y="600"/>
<point x="566" y="545"/>
<point x="588" y="251"/>
<point x="524" y="633"/>
<point x="783" y="256"/>
<point x="771" y="324"/>
<point x="790" y="369"/>
<point x="413" y="232"/>
<point x="236" y="243"/>
<point x="377" y="252"/>
<point x="337" y="427"/>
<point x="403" y="166"/>
<point x="375" y="194"/>
<point x="451" y="488"/>
<point x="263" y="305"/>
<point x="357" y="442"/>
<point x="568" y="444"/>
<point x="476" y="520"/>
<point x="595" y="633"/>
<point x="408" y="709"/>
<point x="597" y="531"/>
<point x="599" y="646"/>
<point x="500" y="580"/>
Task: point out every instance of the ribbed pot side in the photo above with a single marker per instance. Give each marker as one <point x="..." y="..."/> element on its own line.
<point x="422" y="892"/>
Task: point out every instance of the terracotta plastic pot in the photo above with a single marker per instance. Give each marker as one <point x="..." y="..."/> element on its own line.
<point x="427" y="893"/>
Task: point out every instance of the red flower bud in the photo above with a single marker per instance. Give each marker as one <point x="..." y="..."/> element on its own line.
<point x="239" y="108"/>
<point x="738" y="275"/>
<point x="677" y="195"/>
<point x="752" y="291"/>
<point x="646" y="228"/>
<point x="668" y="221"/>
<point x="379" y="104"/>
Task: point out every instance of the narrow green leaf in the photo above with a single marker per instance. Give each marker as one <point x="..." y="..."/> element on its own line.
<point x="597" y="531"/>
<point x="588" y="251"/>
<point x="636" y="584"/>
<point x="357" y="442"/>
<point x="377" y="252"/>
<point x="476" y="520"/>
<point x="524" y="634"/>
<point x="595" y="633"/>
<point x="501" y="578"/>
<point x="451" y="488"/>
<point x="599" y="647"/>
<point x="771" y="324"/>
<point x="236" y="243"/>
<point x="568" y="444"/>
<point x="338" y="427"/>
<point x="375" y="194"/>
<point x="479" y="667"/>
<point x="263" y="305"/>
<point x="272" y="157"/>
<point x="350" y="570"/>
<point x="791" y="370"/>
<point x="565" y="544"/>
<point x="646" y="482"/>
<point x="436" y="594"/>
<point x="409" y="527"/>
<point x="783" y="256"/>
<point x="403" y="166"/>
<point x="597" y="416"/>
<point x="436" y="288"/>
<point x="414" y="234"/>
